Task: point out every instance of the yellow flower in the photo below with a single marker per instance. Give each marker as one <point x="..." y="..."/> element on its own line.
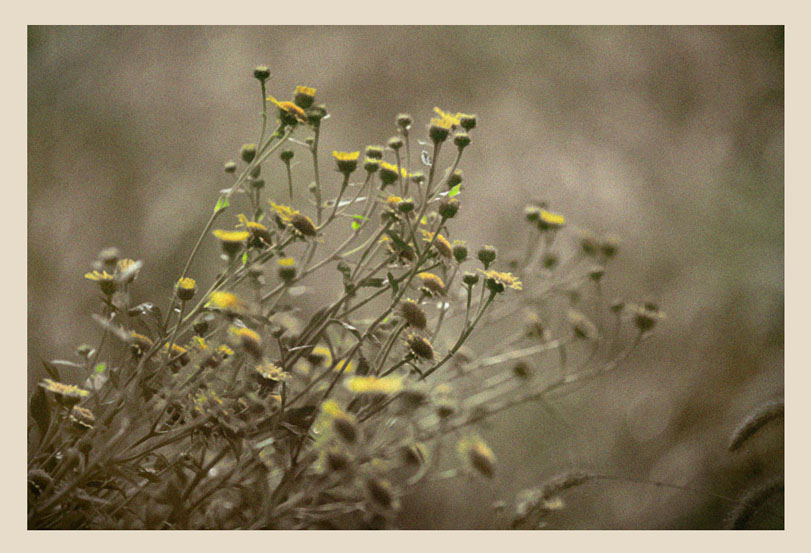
<point x="320" y="355"/>
<point x="440" y="243"/>
<point x="186" y="287"/>
<point x="238" y="236"/>
<point x="449" y="118"/>
<point x="550" y="220"/>
<point x="374" y="385"/>
<point x="392" y="201"/>
<point x="339" y="366"/>
<point x="505" y="280"/>
<point x="478" y="455"/>
<point x="388" y="172"/>
<point x="301" y="223"/>
<point x="248" y="339"/>
<point x="232" y="240"/>
<point x="269" y="374"/>
<point x="304" y="96"/>
<point x="259" y="232"/>
<point x="126" y="270"/>
<point x="342" y="422"/>
<point x="291" y="109"/>
<point x="65" y="393"/>
<point x="106" y="281"/>
<point x="226" y="301"/>
<point x="347" y="162"/>
<point x="139" y="343"/>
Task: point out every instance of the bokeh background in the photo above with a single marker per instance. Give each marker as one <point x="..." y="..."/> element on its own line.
<point x="671" y="137"/>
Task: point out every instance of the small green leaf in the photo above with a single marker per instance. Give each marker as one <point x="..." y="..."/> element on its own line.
<point x="372" y="282"/>
<point x="100" y="367"/>
<point x="244" y="258"/>
<point x="360" y="217"/>
<point x="455" y="190"/>
<point x="398" y="241"/>
<point x="222" y="203"/>
<point x="356" y="225"/>
<point x="393" y="282"/>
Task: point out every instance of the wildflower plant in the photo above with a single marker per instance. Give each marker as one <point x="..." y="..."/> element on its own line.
<point x="235" y="405"/>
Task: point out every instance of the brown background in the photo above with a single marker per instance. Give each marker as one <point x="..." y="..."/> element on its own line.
<point x="672" y="137"/>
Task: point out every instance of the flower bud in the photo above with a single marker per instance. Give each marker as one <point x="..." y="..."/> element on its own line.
<point x="404" y="121"/>
<point x="459" y="251"/>
<point x="470" y="279"/>
<point x="486" y="254"/>
<point x="467" y="122"/>
<point x="454" y="178"/>
<point x="461" y="139"/>
<point x="286" y="155"/>
<point x="255" y="171"/>
<point x="287" y="269"/>
<point x="395" y="143"/>
<point x="185" y="288"/>
<point x="248" y="152"/>
<point x="230" y="167"/>
<point x="448" y="207"/>
<point x="371" y="165"/>
<point x="304" y="96"/>
<point x="374" y="152"/>
<point x="261" y="72"/>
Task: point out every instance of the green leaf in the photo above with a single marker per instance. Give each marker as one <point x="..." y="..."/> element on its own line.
<point x="51" y="370"/>
<point x="100" y="367"/>
<point x="244" y="258"/>
<point x="398" y="241"/>
<point x="455" y="190"/>
<point x="360" y="217"/>
<point x="372" y="282"/>
<point x="222" y="203"/>
<point x="40" y="411"/>
<point x="356" y="225"/>
<point x="393" y="282"/>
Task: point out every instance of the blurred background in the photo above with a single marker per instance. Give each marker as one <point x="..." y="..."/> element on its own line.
<point x="671" y="137"/>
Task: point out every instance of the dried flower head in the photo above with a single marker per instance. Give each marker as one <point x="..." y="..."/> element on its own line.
<point x="478" y="456"/>
<point x="413" y="314"/>
<point x="260" y="235"/>
<point x="302" y="224"/>
<point x="440" y="243"/>
<point x="432" y="283"/>
<point x="247" y="339"/>
<point x="420" y="347"/>
<point x="81" y="418"/>
<point x="581" y="326"/>
<point x="320" y="356"/>
<point x="343" y="423"/>
<point x="139" y="344"/>
<point x="381" y="493"/>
